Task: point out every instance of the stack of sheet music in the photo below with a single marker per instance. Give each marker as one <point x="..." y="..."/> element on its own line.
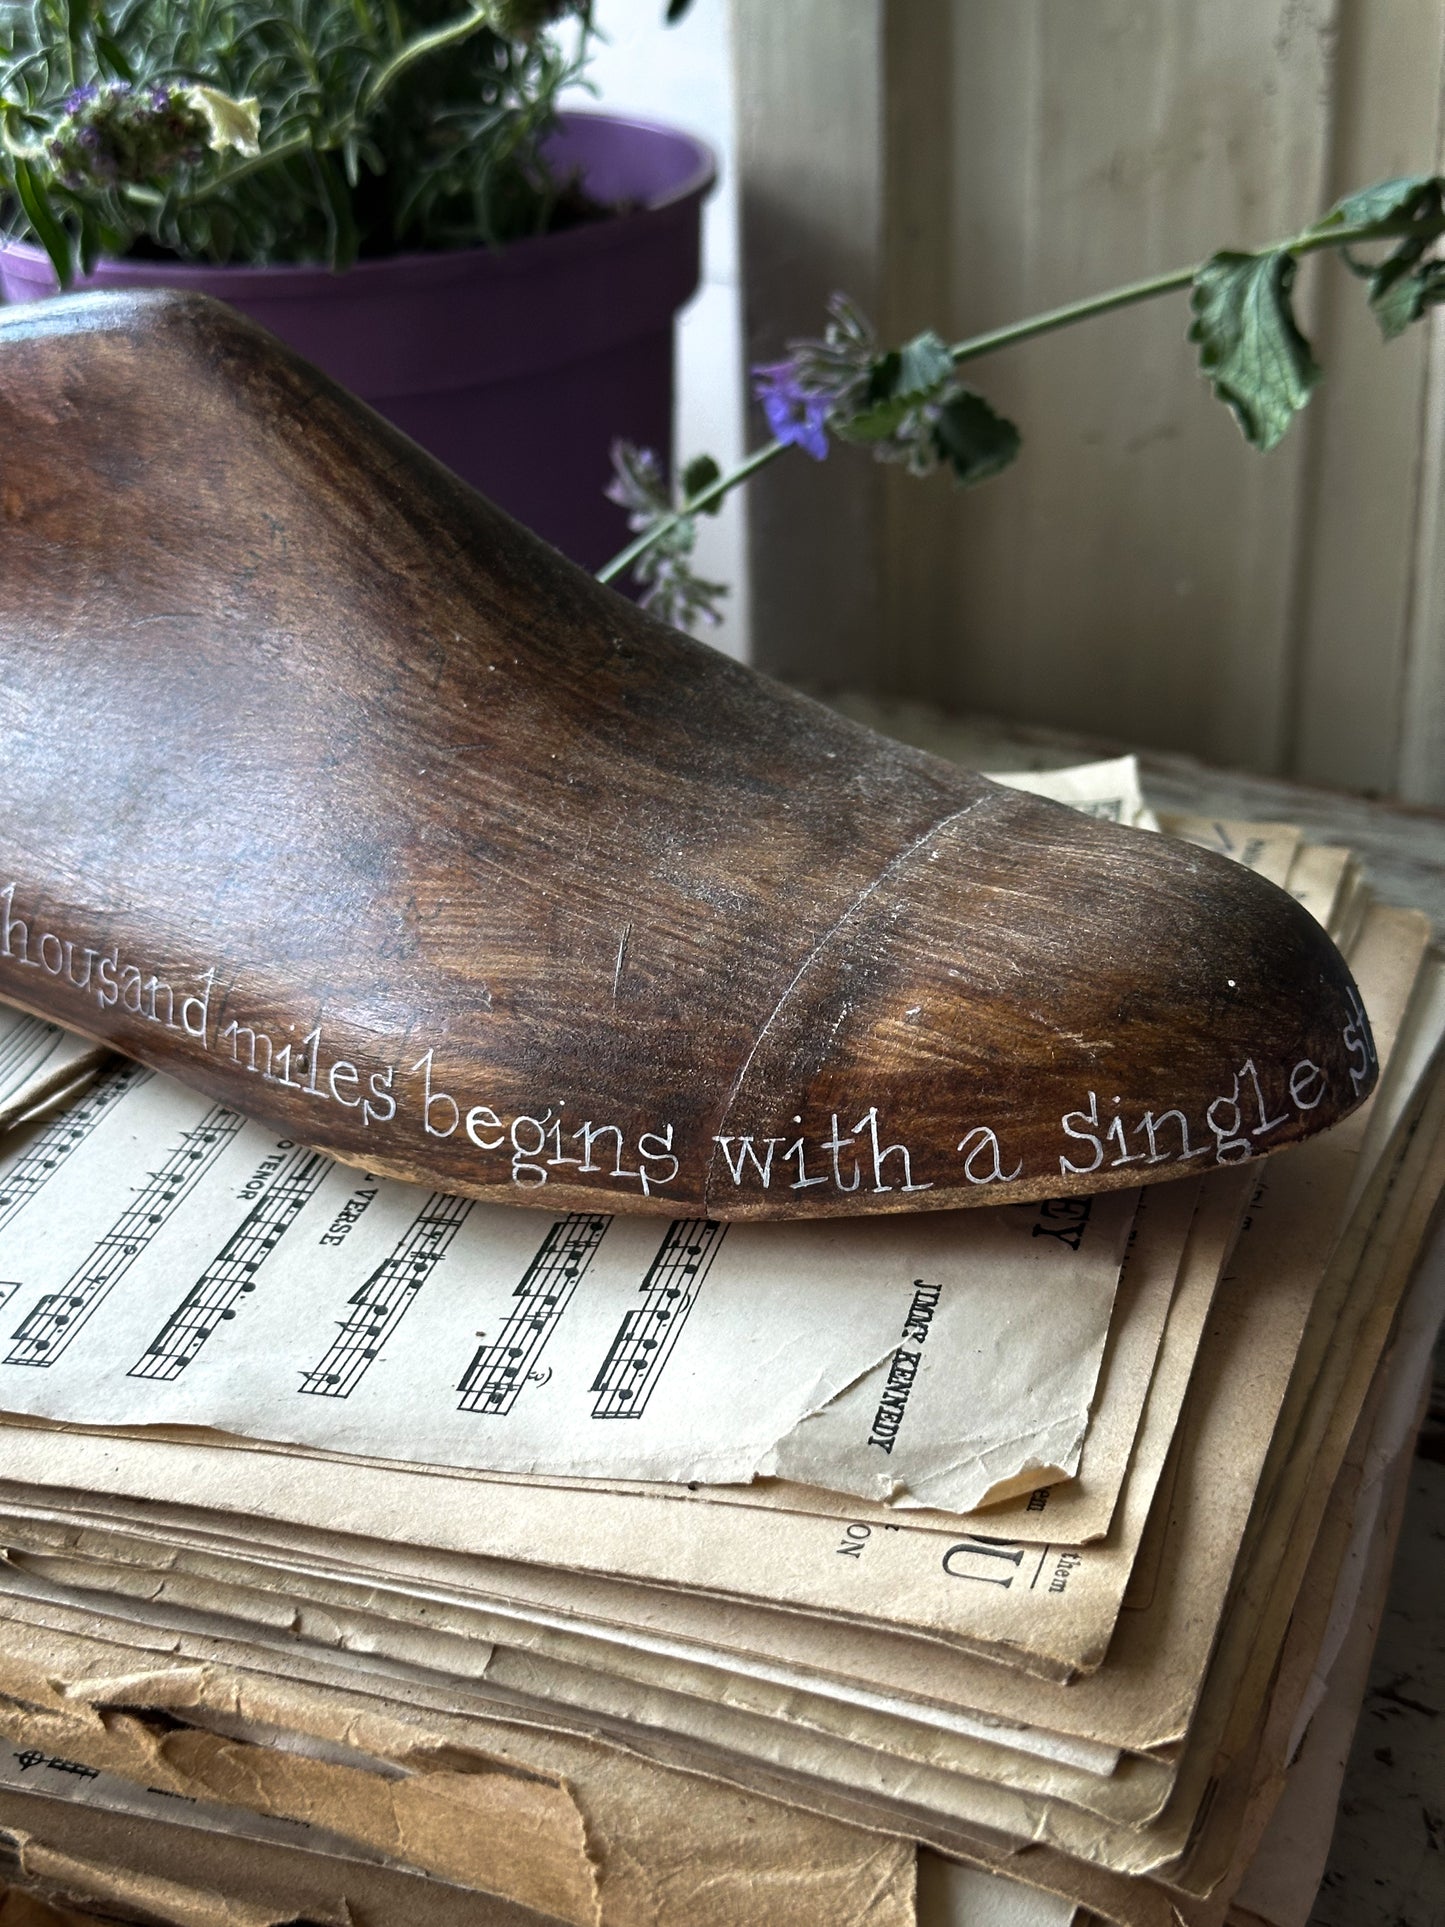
<point x="367" y="1552"/>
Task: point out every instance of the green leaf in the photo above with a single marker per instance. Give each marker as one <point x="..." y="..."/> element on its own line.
<point x="973" y="438"/>
<point x="92" y="240"/>
<point x="42" y="218"/>
<point x="701" y="472"/>
<point x="77" y="19"/>
<point x="876" y="421"/>
<point x="1399" y="198"/>
<point x="1404" y="284"/>
<point x="1250" y="346"/>
<point x="342" y="234"/>
<point x="111" y="56"/>
<point x="1400" y="297"/>
<point x="898" y="383"/>
<point x="924" y="365"/>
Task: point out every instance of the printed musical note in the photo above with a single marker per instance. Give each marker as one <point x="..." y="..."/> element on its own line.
<point x="63" y="1136"/>
<point x="499" y="1370"/>
<point x="232" y="1273"/>
<point x="31" y="1756"/>
<point x="647" y="1334"/>
<point x="381" y="1303"/>
<point x="44" y="1334"/>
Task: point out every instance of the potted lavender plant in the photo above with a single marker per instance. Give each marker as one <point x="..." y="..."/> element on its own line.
<point x="391" y="189"/>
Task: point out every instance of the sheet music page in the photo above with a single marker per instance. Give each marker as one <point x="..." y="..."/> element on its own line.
<point x="1040" y="1602"/>
<point x="1109" y="790"/>
<point x="1078" y="1510"/>
<point x="38" y="1060"/>
<point x="164" y="1261"/>
<point x="1051" y="1609"/>
<point x="1268" y="848"/>
<point x="37" y="1769"/>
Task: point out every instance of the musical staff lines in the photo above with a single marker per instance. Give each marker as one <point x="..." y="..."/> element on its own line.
<point x="26" y="1044"/>
<point x="63" y="1136"/>
<point x="231" y="1274"/>
<point x="648" y="1333"/>
<point x="45" y="1332"/>
<point x="498" y="1371"/>
<point x="381" y="1303"/>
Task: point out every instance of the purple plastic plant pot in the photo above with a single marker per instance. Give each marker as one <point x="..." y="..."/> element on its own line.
<point x="517" y="367"/>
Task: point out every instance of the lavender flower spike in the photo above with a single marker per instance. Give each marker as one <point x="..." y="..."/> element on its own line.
<point x="795" y="414"/>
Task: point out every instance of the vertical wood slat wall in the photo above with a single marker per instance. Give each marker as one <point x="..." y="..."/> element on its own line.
<point x="1141" y="573"/>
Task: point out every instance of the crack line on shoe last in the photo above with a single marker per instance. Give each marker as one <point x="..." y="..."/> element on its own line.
<point x="894" y="863"/>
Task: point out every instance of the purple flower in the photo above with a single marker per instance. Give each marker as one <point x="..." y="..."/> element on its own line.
<point x="111" y="132"/>
<point x="795" y="413"/>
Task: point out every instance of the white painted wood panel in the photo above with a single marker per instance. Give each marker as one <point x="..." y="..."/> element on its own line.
<point x="1141" y="572"/>
<point x="1368" y="625"/>
<point x="683" y="74"/>
<point x="811" y="159"/>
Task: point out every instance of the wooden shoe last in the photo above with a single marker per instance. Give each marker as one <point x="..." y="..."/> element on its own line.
<point x="336" y="794"/>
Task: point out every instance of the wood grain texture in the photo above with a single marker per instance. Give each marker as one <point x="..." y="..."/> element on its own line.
<point x="1401" y="848"/>
<point x="336" y="794"/>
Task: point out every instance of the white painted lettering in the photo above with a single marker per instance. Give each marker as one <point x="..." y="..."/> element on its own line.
<point x="986" y="1147"/>
<point x="1266" y="1124"/>
<point x="236" y="1032"/>
<point x="1307" y="1085"/>
<point x="343" y="1073"/>
<point x="105" y="969"/>
<point x="1116" y="1133"/>
<point x="1227" y="1137"/>
<point x="525" y="1170"/>
<point x="1360" y="1044"/>
<point x="283" y="1058"/>
<point x="1184" y="1153"/>
<point x="155" y="986"/>
<point x="869" y="1120"/>
<point x="797" y="1150"/>
<point x="746" y="1154"/>
<point x="196" y="1011"/>
<point x="663" y="1155"/>
<point x="310" y="1060"/>
<point x="379" y="1084"/>
<point x="8" y="927"/>
<point x="481" y="1114"/>
<point x="79" y="983"/>
<point x="1091" y="1116"/>
<point x="833" y="1145"/>
<point x="434" y="1099"/>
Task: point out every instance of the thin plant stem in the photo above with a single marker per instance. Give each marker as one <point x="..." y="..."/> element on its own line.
<point x="424" y="44"/>
<point x="1312" y="241"/>
<point x="284" y="151"/>
<point x="1044" y="324"/>
<point x="704" y="499"/>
